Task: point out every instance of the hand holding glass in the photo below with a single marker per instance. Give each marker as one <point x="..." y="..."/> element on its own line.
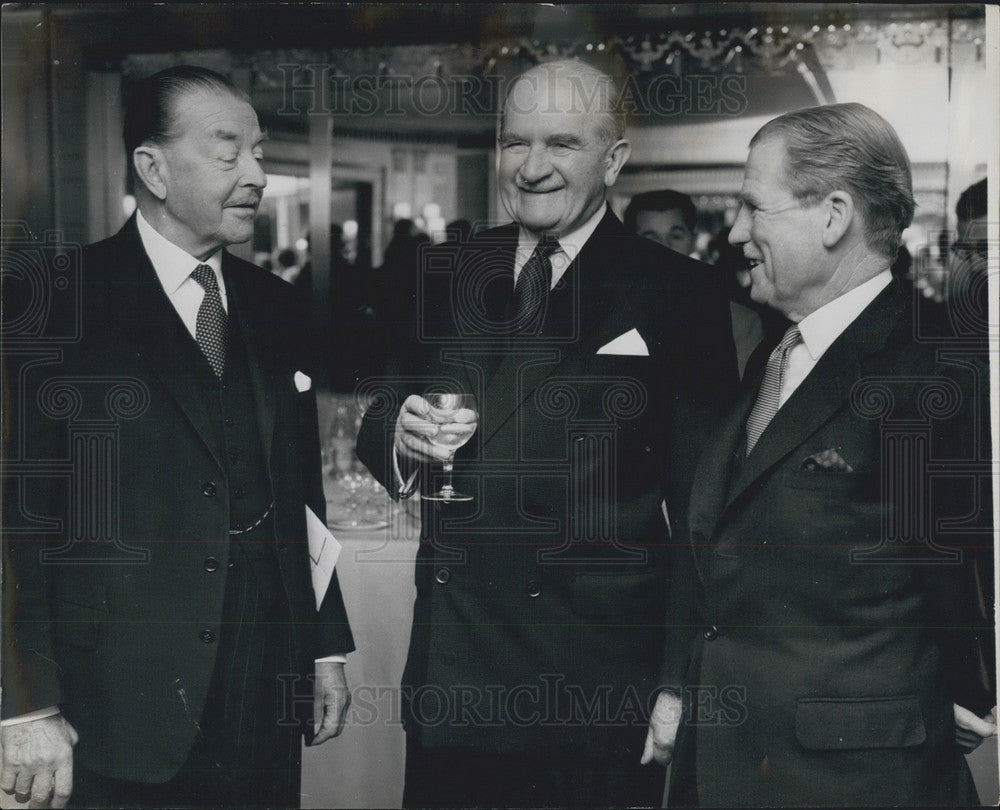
<point x="456" y="418"/>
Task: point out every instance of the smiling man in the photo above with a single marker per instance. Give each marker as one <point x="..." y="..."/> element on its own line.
<point x="160" y="629"/>
<point x="841" y="516"/>
<point x="598" y="360"/>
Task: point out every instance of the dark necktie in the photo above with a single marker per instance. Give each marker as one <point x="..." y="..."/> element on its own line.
<point x="533" y="283"/>
<point x="769" y="394"/>
<point x="211" y="328"/>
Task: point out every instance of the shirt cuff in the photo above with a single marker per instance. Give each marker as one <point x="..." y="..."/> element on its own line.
<point x="332" y="659"/>
<point x="404" y="488"/>
<point x="27" y="718"/>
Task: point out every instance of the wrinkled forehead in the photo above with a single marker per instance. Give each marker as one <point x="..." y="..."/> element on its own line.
<point x="215" y="114"/>
<point x="558" y="91"/>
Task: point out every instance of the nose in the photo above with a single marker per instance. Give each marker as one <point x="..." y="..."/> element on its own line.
<point x="253" y="173"/>
<point x="536" y="166"/>
<point x="739" y="234"/>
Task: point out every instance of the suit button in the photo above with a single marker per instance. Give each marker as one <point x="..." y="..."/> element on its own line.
<point x="234" y="455"/>
<point x="208" y="489"/>
<point x="238" y="526"/>
<point x="229" y="421"/>
<point x="207" y="636"/>
<point x="711" y="633"/>
<point x="239" y="493"/>
<point x="211" y="564"/>
<point x="533" y="588"/>
<point x="442" y="575"/>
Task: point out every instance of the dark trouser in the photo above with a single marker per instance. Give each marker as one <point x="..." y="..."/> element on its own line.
<point x="458" y="778"/>
<point x="248" y="753"/>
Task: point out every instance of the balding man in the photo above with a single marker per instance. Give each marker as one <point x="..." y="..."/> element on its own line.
<point x="838" y="514"/>
<point x="539" y="621"/>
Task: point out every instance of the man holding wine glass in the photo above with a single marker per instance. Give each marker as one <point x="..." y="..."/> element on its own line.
<point x="597" y="361"/>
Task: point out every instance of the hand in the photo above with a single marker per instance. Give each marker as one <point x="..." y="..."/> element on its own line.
<point x="970" y="731"/>
<point x="38" y="761"/>
<point x="331" y="697"/>
<point x="418" y="422"/>
<point x="663" y="725"/>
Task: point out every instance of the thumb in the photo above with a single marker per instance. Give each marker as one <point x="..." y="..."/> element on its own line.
<point x="647" y="751"/>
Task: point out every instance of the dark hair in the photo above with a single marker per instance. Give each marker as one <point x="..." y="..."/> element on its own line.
<point x="851" y="148"/>
<point x="972" y="202"/>
<point x="662" y="200"/>
<point x="149" y="116"/>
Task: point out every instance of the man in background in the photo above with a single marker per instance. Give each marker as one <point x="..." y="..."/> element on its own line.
<point x="666" y="217"/>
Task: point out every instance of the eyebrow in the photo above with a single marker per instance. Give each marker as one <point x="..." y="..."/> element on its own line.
<point x="231" y="136"/>
<point x="565" y="137"/>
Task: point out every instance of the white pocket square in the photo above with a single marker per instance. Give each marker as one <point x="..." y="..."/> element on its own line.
<point x="629" y="343"/>
<point x="303" y="382"/>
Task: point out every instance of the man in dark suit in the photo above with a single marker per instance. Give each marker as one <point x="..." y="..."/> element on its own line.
<point x="539" y="619"/>
<point x="841" y="516"/>
<point x="159" y="613"/>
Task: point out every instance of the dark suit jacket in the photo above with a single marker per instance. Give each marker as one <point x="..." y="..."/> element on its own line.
<point x="839" y="613"/>
<point x="112" y="630"/>
<point x="539" y="618"/>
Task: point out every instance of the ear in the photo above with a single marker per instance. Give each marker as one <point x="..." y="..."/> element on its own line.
<point x="616" y="158"/>
<point x="151" y="168"/>
<point x="839" y="213"/>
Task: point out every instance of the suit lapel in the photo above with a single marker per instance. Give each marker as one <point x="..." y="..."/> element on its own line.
<point x="264" y="377"/>
<point x="823" y="392"/>
<point x="142" y="312"/>
<point x="591" y="295"/>
<point x="711" y="480"/>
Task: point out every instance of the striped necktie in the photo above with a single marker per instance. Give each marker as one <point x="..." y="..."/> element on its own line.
<point x="533" y="283"/>
<point x="769" y="394"/>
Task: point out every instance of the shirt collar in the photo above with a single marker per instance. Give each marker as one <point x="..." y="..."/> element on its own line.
<point x="821" y="328"/>
<point x="570" y="244"/>
<point x="173" y="265"/>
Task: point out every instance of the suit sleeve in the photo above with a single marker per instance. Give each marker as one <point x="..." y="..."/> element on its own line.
<point x="703" y="377"/>
<point x="960" y="596"/>
<point x="30" y="673"/>
<point x="334" y="635"/>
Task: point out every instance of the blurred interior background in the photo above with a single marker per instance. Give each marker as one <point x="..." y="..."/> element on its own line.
<point x="382" y="118"/>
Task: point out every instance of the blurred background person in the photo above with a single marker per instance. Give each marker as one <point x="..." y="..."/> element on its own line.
<point x="667" y="217"/>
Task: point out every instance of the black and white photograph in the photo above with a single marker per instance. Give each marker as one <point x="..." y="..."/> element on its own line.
<point x="511" y="405"/>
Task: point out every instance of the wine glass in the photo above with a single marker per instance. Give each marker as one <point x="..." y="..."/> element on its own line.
<point x="446" y="404"/>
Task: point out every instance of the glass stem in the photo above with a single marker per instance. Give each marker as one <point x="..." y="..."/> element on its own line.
<point x="448" y="465"/>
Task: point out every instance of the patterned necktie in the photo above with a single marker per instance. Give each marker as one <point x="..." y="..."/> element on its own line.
<point x="211" y="328"/>
<point x="533" y="284"/>
<point x="769" y="395"/>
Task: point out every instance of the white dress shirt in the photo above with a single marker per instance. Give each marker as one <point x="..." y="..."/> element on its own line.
<point x="821" y="328"/>
<point x="570" y="245"/>
<point x="174" y="267"/>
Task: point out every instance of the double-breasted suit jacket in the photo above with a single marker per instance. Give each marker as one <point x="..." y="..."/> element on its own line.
<point x="540" y="609"/>
<point x="840" y="613"/>
<point x="119" y="625"/>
